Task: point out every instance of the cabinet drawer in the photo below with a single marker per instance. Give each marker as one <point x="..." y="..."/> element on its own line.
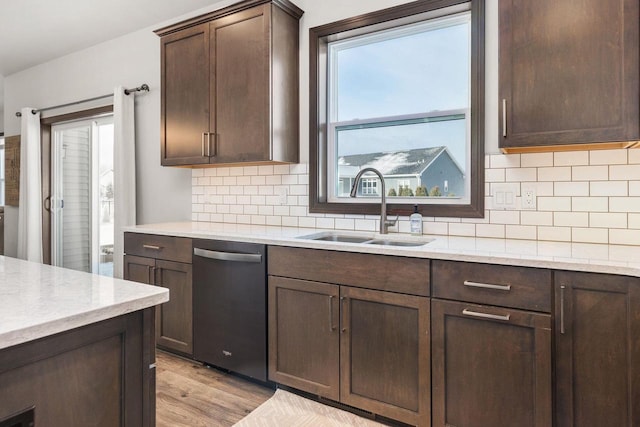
<point x="382" y="272"/>
<point x="159" y="247"/>
<point x="517" y="287"/>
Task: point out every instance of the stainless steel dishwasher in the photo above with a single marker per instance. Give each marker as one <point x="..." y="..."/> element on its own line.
<point x="229" y="306"/>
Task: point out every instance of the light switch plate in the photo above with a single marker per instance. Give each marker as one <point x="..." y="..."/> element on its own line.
<point x="504" y="195"/>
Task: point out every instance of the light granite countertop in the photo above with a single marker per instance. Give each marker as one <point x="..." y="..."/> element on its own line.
<point x="597" y="258"/>
<point x="38" y="300"/>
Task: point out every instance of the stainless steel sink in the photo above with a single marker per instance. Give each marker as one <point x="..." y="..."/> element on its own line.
<point x="340" y="238"/>
<point x="330" y="236"/>
<point x="397" y="242"/>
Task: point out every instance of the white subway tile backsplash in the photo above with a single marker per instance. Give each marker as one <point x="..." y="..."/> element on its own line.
<point x="494" y="175"/>
<point x="570" y="219"/>
<point x="490" y="230"/>
<point x="582" y="197"/>
<point x="590" y="173"/>
<point x="590" y="204"/>
<point x="570" y="188"/>
<point x="504" y="217"/>
<point x="554" y="204"/>
<point x="624" y="172"/>
<point x="462" y="229"/>
<point x="608" y="188"/>
<point x="258" y="180"/>
<point x="526" y="232"/>
<point x="497" y="161"/>
<point x="624" y="237"/>
<point x="520" y="175"/>
<point x="536" y="160"/>
<point x="608" y="157"/>
<point x="590" y="235"/>
<point x="571" y="158"/>
<point x="607" y="220"/>
<point x="624" y="204"/>
<point x="236" y="171"/>
<point x="554" y="174"/>
<point x="536" y="218"/>
<point x="250" y="170"/>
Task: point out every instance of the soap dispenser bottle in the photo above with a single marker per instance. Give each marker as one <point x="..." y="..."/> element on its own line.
<point x="415" y="222"/>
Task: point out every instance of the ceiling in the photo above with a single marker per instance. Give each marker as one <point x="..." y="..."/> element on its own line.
<point x="36" y="31"/>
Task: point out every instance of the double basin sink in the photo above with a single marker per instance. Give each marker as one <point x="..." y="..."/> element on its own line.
<point x="330" y="236"/>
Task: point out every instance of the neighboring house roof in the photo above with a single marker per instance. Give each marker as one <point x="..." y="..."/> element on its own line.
<point x="409" y="162"/>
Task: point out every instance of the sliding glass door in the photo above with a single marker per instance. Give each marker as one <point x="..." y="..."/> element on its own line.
<point x="82" y="195"/>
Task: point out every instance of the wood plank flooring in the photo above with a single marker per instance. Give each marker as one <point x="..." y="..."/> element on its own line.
<point x="189" y="394"/>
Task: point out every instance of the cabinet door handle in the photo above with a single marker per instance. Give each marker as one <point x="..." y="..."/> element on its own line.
<point x="215" y="144"/>
<point x="331" y="327"/>
<point x="487" y="286"/>
<point x="562" y="287"/>
<point x="342" y="310"/>
<point x="208" y="144"/>
<point x="504" y="117"/>
<point x="152" y="247"/>
<point x="151" y="275"/>
<point x="486" y="315"/>
<point x="203" y="136"/>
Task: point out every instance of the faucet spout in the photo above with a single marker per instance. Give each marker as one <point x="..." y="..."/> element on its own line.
<point x="384" y="222"/>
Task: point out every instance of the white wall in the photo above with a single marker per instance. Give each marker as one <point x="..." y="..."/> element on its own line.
<point x="163" y="193"/>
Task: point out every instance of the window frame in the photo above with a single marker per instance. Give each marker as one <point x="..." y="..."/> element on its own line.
<point x="319" y="37"/>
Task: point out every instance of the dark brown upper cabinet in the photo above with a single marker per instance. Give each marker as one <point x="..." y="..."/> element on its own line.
<point x="230" y="86"/>
<point x="569" y="74"/>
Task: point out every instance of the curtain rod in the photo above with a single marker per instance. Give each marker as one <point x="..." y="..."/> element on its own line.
<point x="143" y="87"/>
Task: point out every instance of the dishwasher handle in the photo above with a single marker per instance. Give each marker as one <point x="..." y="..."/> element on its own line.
<point x="227" y="256"/>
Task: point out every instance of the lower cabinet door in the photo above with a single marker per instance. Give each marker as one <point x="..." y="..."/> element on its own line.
<point x="491" y="366"/>
<point x="384" y="354"/>
<point x="303" y="336"/>
<point x="597" y="350"/>
<point x="139" y="269"/>
<point x="174" y="319"/>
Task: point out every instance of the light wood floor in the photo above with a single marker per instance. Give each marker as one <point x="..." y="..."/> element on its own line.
<point x="189" y="394"/>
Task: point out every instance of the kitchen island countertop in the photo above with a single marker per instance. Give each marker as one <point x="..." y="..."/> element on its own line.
<point x="38" y="300"/>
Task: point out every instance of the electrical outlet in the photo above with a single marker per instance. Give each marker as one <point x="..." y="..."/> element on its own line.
<point x="528" y="198"/>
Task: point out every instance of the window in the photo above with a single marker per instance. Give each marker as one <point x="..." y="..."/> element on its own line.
<point x="403" y="94"/>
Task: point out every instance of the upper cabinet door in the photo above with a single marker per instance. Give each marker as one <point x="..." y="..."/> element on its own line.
<point x="240" y="86"/>
<point x="230" y="86"/>
<point x="185" y="97"/>
<point x="569" y="72"/>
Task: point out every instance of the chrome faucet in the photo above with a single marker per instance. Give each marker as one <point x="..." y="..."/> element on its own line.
<point x="384" y="222"/>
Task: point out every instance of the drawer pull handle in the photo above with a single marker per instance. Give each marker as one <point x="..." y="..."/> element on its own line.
<point x="153" y="247"/>
<point x="471" y="284"/>
<point x="226" y="353"/>
<point x="486" y="315"/>
<point x="562" y="288"/>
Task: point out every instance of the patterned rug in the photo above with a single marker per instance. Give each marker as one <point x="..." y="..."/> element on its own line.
<point x="286" y="409"/>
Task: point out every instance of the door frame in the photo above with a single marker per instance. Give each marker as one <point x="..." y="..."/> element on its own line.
<point x="46" y="146"/>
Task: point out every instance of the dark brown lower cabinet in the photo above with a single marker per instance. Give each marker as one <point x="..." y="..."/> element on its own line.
<point x="174" y="319"/>
<point x="304" y="339"/>
<point x="491" y="366"/>
<point x="364" y="348"/>
<point x="102" y="374"/>
<point x="384" y="354"/>
<point x="597" y="340"/>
